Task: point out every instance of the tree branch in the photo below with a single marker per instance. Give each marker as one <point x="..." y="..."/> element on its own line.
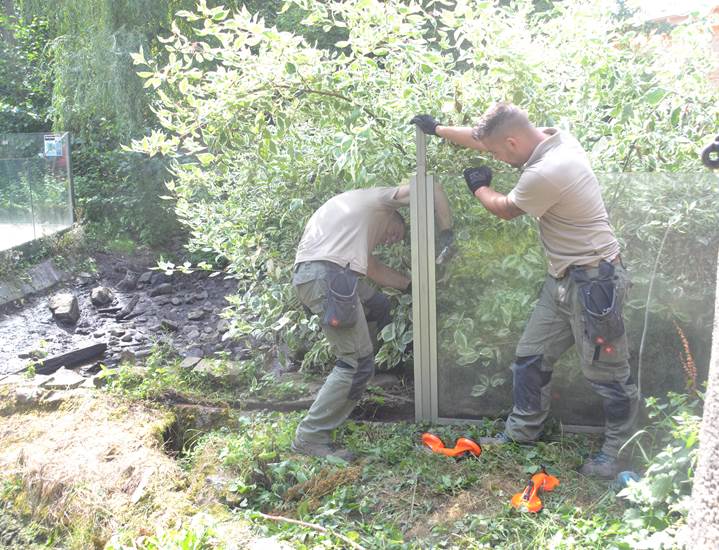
<point x="314" y="526"/>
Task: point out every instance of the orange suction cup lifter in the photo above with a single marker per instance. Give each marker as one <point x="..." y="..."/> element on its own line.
<point x="527" y="500"/>
<point x="461" y="448"/>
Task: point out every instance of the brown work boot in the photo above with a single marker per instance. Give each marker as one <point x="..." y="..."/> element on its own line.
<point x="600" y="465"/>
<point x="321" y="450"/>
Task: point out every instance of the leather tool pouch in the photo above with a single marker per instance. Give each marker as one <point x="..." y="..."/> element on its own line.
<point x="601" y="304"/>
<point x="342" y="302"/>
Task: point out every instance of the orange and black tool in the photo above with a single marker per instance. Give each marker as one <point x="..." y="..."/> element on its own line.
<point x="528" y="500"/>
<point x="463" y="447"/>
<point x="546" y="481"/>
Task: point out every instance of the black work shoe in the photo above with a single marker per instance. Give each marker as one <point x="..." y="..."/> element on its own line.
<point x="600" y="465"/>
<point x="321" y="450"/>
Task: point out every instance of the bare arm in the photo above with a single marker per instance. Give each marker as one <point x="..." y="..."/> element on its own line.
<point x="497" y="203"/>
<point x="386" y="276"/>
<point x="460" y="135"/>
<point x="441" y="204"/>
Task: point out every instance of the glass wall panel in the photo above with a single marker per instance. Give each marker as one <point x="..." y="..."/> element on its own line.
<point x="35" y="187"/>
<point x="484" y="295"/>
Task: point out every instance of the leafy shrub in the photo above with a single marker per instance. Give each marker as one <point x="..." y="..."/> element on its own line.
<point x="262" y="127"/>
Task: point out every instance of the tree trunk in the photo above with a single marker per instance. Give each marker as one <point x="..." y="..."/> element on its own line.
<point x="703" y="522"/>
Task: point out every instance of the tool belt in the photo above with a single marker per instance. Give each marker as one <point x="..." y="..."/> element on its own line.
<point x="601" y="304"/>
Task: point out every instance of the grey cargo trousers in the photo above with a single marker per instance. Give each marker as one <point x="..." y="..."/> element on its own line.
<point x="352" y="346"/>
<point x="555" y="325"/>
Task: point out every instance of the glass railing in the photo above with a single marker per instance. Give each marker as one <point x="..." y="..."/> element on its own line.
<point x="473" y="308"/>
<point x="35" y="187"/>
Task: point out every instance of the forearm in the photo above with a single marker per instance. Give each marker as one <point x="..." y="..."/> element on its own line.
<point x="460" y="135"/>
<point x="497" y="203"/>
<point x="386" y="276"/>
<point x="442" y="210"/>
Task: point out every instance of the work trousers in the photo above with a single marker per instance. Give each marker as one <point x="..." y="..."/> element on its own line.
<point x="555" y="325"/>
<point x="352" y="346"/>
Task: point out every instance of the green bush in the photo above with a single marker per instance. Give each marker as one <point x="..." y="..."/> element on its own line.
<point x="262" y="127"/>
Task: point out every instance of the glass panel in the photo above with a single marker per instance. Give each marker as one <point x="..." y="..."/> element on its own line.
<point x="35" y="190"/>
<point x="487" y="291"/>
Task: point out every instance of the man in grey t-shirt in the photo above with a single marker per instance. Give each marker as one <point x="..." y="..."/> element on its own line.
<point x="558" y="187"/>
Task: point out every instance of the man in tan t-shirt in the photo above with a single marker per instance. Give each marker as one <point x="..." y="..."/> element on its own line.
<point x="337" y="246"/>
<point x="558" y="187"/>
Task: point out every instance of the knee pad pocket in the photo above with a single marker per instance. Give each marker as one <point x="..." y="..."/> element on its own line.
<point x="363" y="374"/>
<point x="529" y="380"/>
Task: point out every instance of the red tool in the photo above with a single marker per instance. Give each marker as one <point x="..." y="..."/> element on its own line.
<point x="528" y="500"/>
<point x="462" y="447"/>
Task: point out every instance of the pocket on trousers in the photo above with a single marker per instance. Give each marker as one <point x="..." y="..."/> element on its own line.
<point x="342" y="302"/>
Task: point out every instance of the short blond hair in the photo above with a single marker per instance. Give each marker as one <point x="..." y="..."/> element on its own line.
<point x="499" y="117"/>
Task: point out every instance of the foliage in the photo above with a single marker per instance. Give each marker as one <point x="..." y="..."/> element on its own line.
<point x="662" y="498"/>
<point x="262" y="127"/>
<point x="25" y="75"/>
<point x="402" y="497"/>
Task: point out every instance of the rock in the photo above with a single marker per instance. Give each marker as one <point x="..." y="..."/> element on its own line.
<point x="27" y="395"/>
<point x="145" y="278"/>
<point x="159" y="278"/>
<point x="129" y="282"/>
<point x="85" y="278"/>
<point x="127" y="356"/>
<point x="201" y="296"/>
<point x="127" y="338"/>
<point x="223" y="326"/>
<point x="195" y="315"/>
<point x="176" y="301"/>
<point x="64" y="308"/>
<point x="195" y="352"/>
<point x="207" y="329"/>
<point x="63" y="379"/>
<point x="82" y="331"/>
<point x="194" y="334"/>
<point x="101" y="296"/>
<point x="164" y="288"/>
<point x="98" y="333"/>
<point x="169" y="325"/>
<point x="117" y="332"/>
<point x="190" y="362"/>
<point x="162" y="300"/>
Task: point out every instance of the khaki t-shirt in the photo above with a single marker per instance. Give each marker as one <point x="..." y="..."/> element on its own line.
<point x="346" y="228"/>
<point x="558" y="186"/>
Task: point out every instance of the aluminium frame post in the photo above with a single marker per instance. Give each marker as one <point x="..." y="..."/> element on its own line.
<point x="423" y="287"/>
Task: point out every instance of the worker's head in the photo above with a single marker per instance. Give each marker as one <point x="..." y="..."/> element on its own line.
<point x="507" y="134"/>
<point x="395" y="228"/>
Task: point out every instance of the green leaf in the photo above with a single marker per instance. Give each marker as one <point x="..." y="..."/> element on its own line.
<point x="653" y="97"/>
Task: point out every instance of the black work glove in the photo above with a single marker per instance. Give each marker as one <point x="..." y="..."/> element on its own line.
<point x="446" y="247"/>
<point x="477" y="177"/>
<point x="446" y="238"/>
<point x="427" y="123"/>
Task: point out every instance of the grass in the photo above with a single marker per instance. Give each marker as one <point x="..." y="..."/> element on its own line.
<point x="400" y="496"/>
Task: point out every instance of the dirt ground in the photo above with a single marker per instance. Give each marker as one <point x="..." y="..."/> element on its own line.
<point x="83" y="459"/>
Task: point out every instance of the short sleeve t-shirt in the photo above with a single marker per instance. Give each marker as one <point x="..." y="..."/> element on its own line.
<point x="558" y="187"/>
<point x="346" y="228"/>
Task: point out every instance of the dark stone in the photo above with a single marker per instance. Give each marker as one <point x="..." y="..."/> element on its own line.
<point x="159" y="278"/>
<point x="169" y="325"/>
<point x="101" y="296"/>
<point x="129" y="282"/>
<point x="164" y="288"/>
<point x="195" y="315"/>
<point x="65" y="308"/>
<point x="145" y="278"/>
